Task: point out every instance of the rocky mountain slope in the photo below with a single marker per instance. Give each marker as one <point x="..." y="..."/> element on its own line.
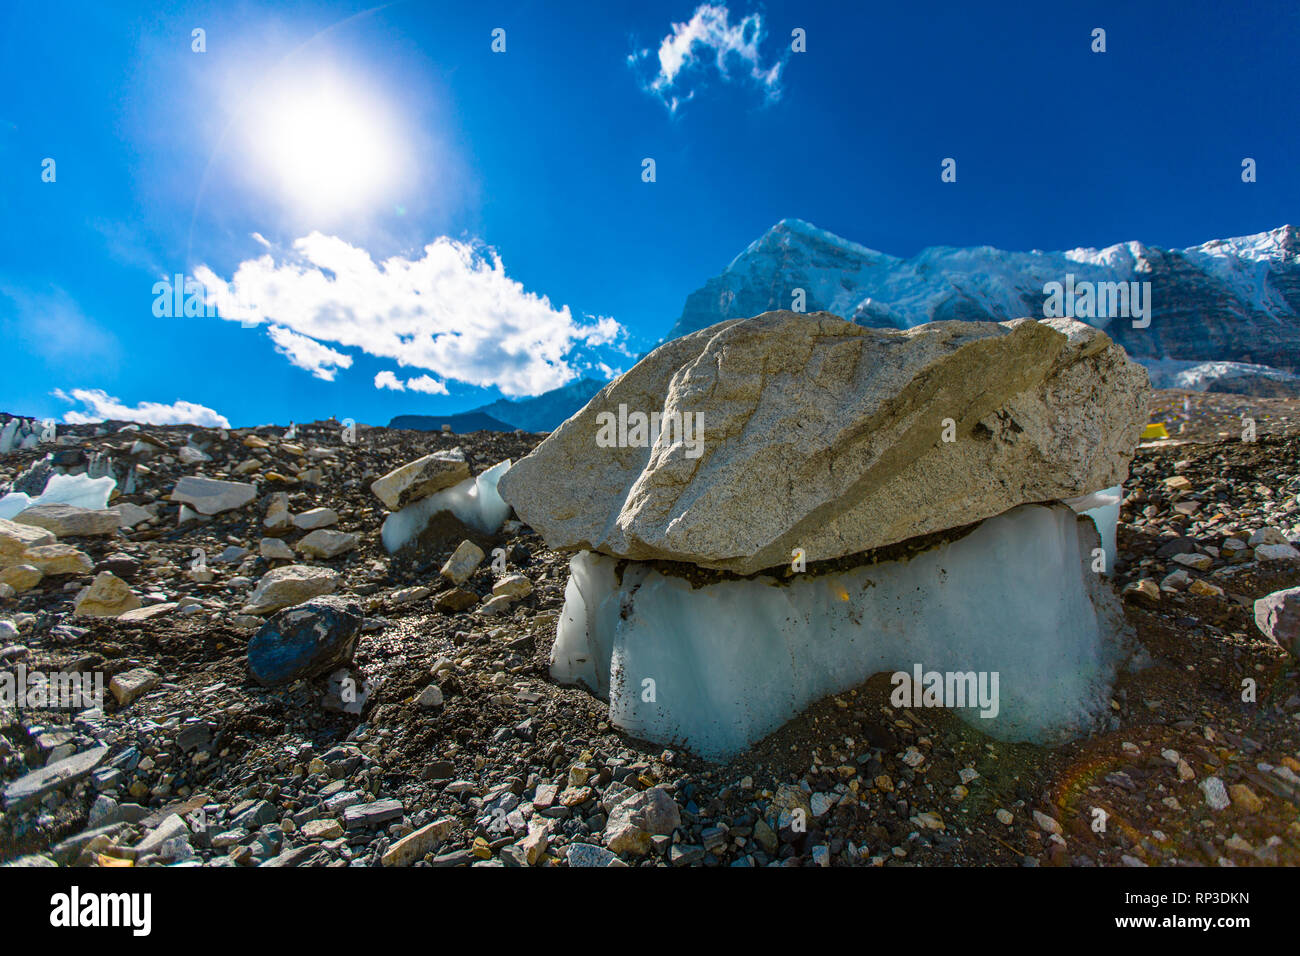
<point x="458" y="422"/>
<point x="1234" y="300"/>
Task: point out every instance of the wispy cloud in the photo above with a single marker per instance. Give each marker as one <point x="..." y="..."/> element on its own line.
<point x="306" y="353"/>
<point x="707" y="44"/>
<point x="98" y="406"/>
<point x="451" y="311"/>
<point x="51" y="325"/>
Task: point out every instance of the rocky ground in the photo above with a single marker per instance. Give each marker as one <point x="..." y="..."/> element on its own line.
<point x="464" y="752"/>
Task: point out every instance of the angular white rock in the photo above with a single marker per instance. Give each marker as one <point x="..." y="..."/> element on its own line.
<point x="273" y="549"/>
<point x="316" y="518"/>
<point x="1276" y="552"/>
<point x="420" y="478"/>
<point x="278" y="517"/>
<point x="732" y="661"/>
<point x="15" y="539"/>
<point x="325" y="543"/>
<point x="462" y="563"/>
<point x="289" y="585"/>
<point x="210" y="496"/>
<point x="107" y="596"/>
<point x="513" y="585"/>
<point x="129" y="515"/>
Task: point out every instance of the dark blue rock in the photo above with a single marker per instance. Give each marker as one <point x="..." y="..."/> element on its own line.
<point x="303" y="641"/>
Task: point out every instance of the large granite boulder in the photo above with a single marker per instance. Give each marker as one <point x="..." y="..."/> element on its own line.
<point x="809" y="432"/>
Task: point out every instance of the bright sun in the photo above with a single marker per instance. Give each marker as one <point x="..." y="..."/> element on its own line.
<point x="323" y="146"/>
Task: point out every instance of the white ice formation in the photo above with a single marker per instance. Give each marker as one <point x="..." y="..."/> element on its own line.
<point x="474" y="501"/>
<point x="716" y="668"/>
<point x="80" y="490"/>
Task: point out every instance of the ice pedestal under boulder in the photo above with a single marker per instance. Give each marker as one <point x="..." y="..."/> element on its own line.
<point x="718" y="667"/>
<point x="474" y="501"/>
<point x="1103" y="508"/>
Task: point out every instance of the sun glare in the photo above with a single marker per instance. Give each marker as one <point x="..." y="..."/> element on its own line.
<point x="323" y="147"/>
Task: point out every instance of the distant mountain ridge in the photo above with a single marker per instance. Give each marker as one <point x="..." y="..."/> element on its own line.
<point x="1234" y="300"/>
<point x="460" y="422"/>
<point x="541" y="413"/>
<point x="545" y="412"/>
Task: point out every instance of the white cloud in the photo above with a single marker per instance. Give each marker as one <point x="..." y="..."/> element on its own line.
<point x="426" y="384"/>
<point x="423" y="383"/>
<point x="606" y="331"/>
<point x="98" y="406"/>
<point x="708" y="39"/>
<point x="453" y="312"/>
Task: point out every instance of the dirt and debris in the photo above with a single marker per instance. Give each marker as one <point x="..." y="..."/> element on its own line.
<point x="452" y="713"/>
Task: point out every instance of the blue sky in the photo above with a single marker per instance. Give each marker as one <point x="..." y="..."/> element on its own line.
<point x="409" y="222"/>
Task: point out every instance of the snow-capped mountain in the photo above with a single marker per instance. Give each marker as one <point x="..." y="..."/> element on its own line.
<point x="1229" y="300"/>
<point x="1237" y="377"/>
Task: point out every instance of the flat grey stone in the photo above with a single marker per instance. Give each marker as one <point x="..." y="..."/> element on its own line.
<point x="369" y="814"/>
<point x="52" y="777"/>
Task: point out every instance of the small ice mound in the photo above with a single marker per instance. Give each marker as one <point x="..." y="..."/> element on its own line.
<point x="717" y="668"/>
<point x="80" y="490"/>
<point x="1103" y="508"/>
<point x="474" y="501"/>
<point x="9" y="435"/>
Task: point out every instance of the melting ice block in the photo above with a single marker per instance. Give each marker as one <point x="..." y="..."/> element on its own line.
<point x="80" y="490"/>
<point x="474" y="501"/>
<point x="1103" y="508"/>
<point x="718" y="667"/>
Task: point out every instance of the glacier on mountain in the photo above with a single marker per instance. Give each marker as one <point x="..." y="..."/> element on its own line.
<point x="1238" y="377"/>
<point x="1234" y="300"/>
